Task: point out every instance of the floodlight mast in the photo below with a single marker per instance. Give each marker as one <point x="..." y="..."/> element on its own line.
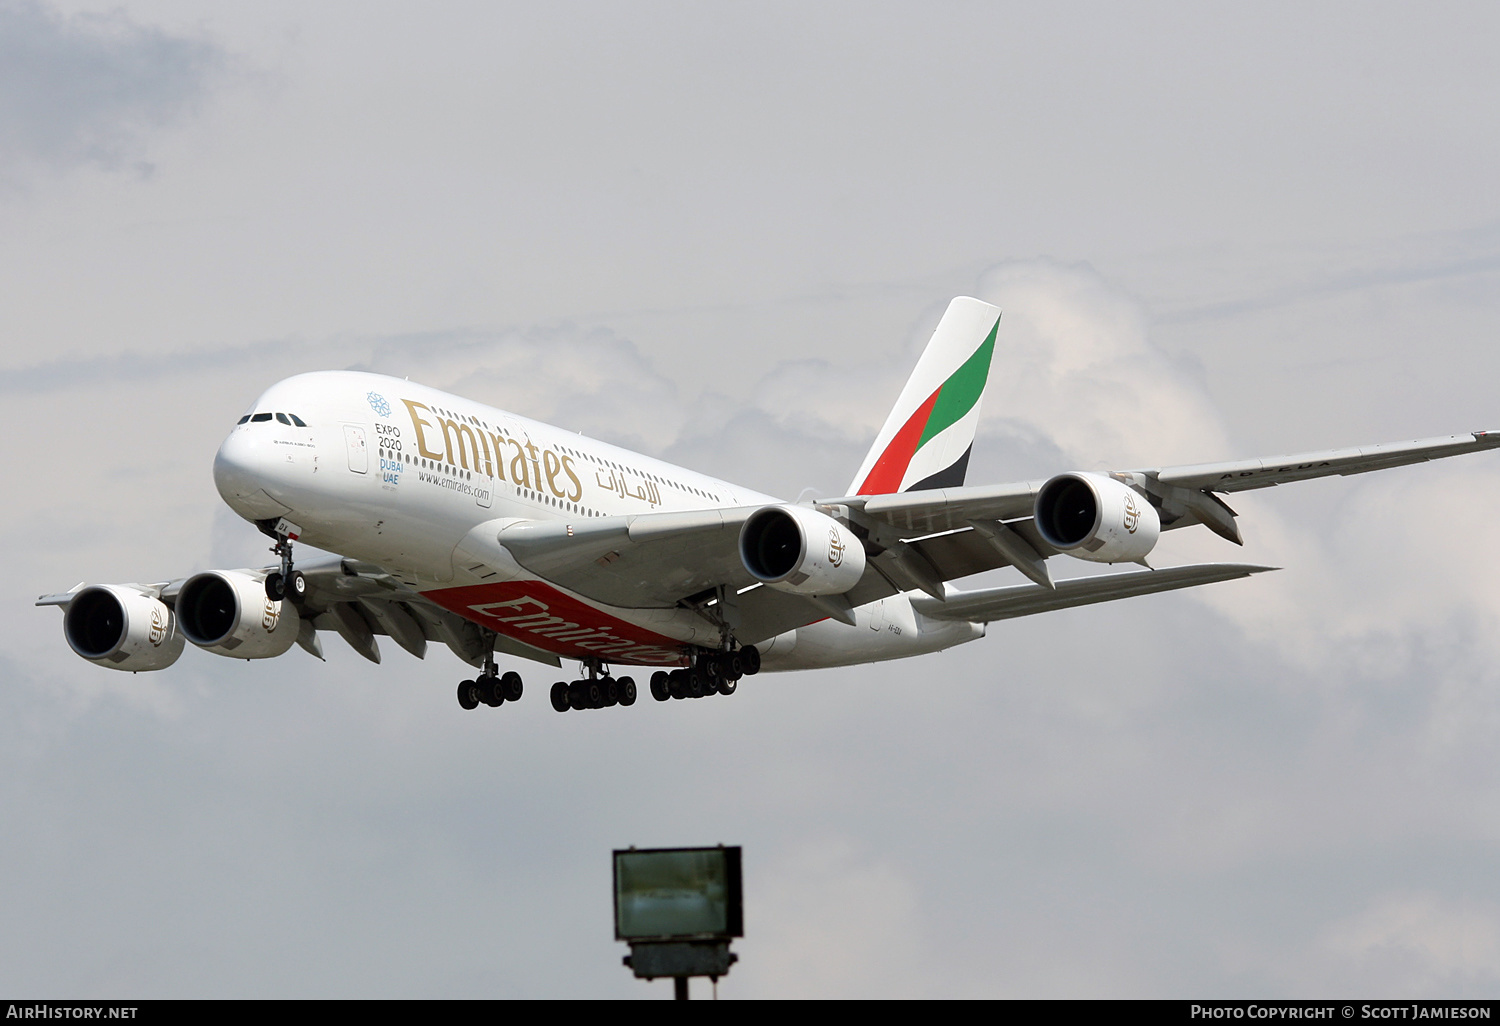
<point x="678" y="909"/>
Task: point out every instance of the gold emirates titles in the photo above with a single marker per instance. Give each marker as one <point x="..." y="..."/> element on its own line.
<point x="530" y="466"/>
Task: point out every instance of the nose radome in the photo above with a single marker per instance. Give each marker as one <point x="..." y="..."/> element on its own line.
<point x="243" y="468"/>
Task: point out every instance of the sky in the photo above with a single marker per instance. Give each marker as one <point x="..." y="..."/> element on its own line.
<point x="721" y="234"/>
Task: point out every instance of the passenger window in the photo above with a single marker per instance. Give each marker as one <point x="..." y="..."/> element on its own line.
<point x="282" y="418"/>
<point x="260" y="418"/>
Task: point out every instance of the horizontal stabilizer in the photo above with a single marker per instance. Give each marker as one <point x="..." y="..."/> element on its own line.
<point x="1025" y="599"/>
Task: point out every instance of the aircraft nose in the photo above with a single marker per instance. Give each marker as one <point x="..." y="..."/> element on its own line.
<point x="243" y="468"/>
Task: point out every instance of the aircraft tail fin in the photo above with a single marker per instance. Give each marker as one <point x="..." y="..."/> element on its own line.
<point x="929" y="434"/>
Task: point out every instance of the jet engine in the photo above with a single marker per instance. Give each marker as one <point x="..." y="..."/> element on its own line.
<point x="1095" y="517"/>
<point x="802" y="551"/>
<point x="227" y="613"/>
<point x="122" y="628"/>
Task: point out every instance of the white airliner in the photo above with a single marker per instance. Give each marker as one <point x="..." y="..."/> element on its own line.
<point x="460" y="523"/>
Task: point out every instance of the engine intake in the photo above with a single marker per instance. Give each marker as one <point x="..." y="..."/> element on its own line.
<point x="1095" y="517"/>
<point x="227" y="613"/>
<point x="802" y="551"/>
<point x="121" y="628"/>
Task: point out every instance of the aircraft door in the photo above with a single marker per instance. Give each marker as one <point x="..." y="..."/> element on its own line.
<point x="359" y="449"/>
<point x="484" y="484"/>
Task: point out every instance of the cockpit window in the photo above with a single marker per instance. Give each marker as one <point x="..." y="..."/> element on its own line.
<point x="244" y="418"/>
<point x="260" y="418"/>
<point x="282" y="417"/>
<point x="297" y="420"/>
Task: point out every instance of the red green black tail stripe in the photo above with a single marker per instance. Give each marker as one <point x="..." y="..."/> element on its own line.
<point x="948" y="405"/>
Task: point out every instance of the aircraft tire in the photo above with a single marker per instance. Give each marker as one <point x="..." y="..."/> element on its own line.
<point x="610" y="692"/>
<point x="511" y="681"/>
<point x="627" y="690"/>
<point x="750" y="657"/>
<point x="661" y="685"/>
<point x="275" y="586"/>
<point x="468" y="696"/>
<point x="560" y="696"/>
<point x="491" y="692"/>
<point x="295" y="586"/>
<point x="727" y="686"/>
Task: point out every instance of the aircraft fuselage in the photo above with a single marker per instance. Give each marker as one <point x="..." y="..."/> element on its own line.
<point x="395" y="473"/>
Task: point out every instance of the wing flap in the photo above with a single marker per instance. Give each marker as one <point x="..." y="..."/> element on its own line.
<point x="1026" y="599"/>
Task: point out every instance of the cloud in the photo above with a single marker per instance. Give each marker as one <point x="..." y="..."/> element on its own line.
<point x="1076" y="365"/>
<point x="589" y="380"/>
<point x="1405" y="944"/>
<point x="833" y="922"/>
<point x="85" y="89"/>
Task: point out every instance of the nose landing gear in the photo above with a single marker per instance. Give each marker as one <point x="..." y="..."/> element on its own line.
<point x="285" y="583"/>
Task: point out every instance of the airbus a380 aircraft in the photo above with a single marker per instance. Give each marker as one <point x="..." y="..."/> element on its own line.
<point x="460" y="523"/>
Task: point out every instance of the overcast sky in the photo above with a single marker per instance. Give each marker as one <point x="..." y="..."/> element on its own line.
<point x="721" y="234"/>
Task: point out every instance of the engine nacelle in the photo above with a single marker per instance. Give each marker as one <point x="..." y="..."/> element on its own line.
<point x="227" y="613"/>
<point x="1094" y="517"/>
<point x="796" y="549"/>
<point x="122" y="628"/>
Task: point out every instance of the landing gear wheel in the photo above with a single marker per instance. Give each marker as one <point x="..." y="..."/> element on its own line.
<point x="491" y="693"/>
<point x="593" y="694"/>
<point x="560" y="696"/>
<point x="577" y="697"/>
<point x="626" y="686"/>
<point x="468" y="695"/>
<point x="609" y="691"/>
<point x="510" y="682"/>
<point x="275" y="586"/>
<point x="696" y="685"/>
<point x="677" y="683"/>
<point x="750" y="657"/>
<point x="661" y="685"/>
<point x="295" y="586"/>
<point x="728" y="687"/>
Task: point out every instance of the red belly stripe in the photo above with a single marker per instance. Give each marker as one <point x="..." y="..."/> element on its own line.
<point x="540" y="615"/>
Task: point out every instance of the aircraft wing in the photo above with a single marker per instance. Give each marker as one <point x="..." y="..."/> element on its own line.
<point x="360" y="601"/>
<point x="917" y="540"/>
<point x="1185" y="493"/>
<point x="1026" y="599"/>
<point x="1241" y="475"/>
<point x="642" y="561"/>
<point x="927" y="512"/>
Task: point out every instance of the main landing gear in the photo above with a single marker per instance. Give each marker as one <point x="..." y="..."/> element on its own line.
<point x="711" y="673"/>
<point x="285" y="583"/>
<point x="490" y="688"/>
<point x="594" y="691"/>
